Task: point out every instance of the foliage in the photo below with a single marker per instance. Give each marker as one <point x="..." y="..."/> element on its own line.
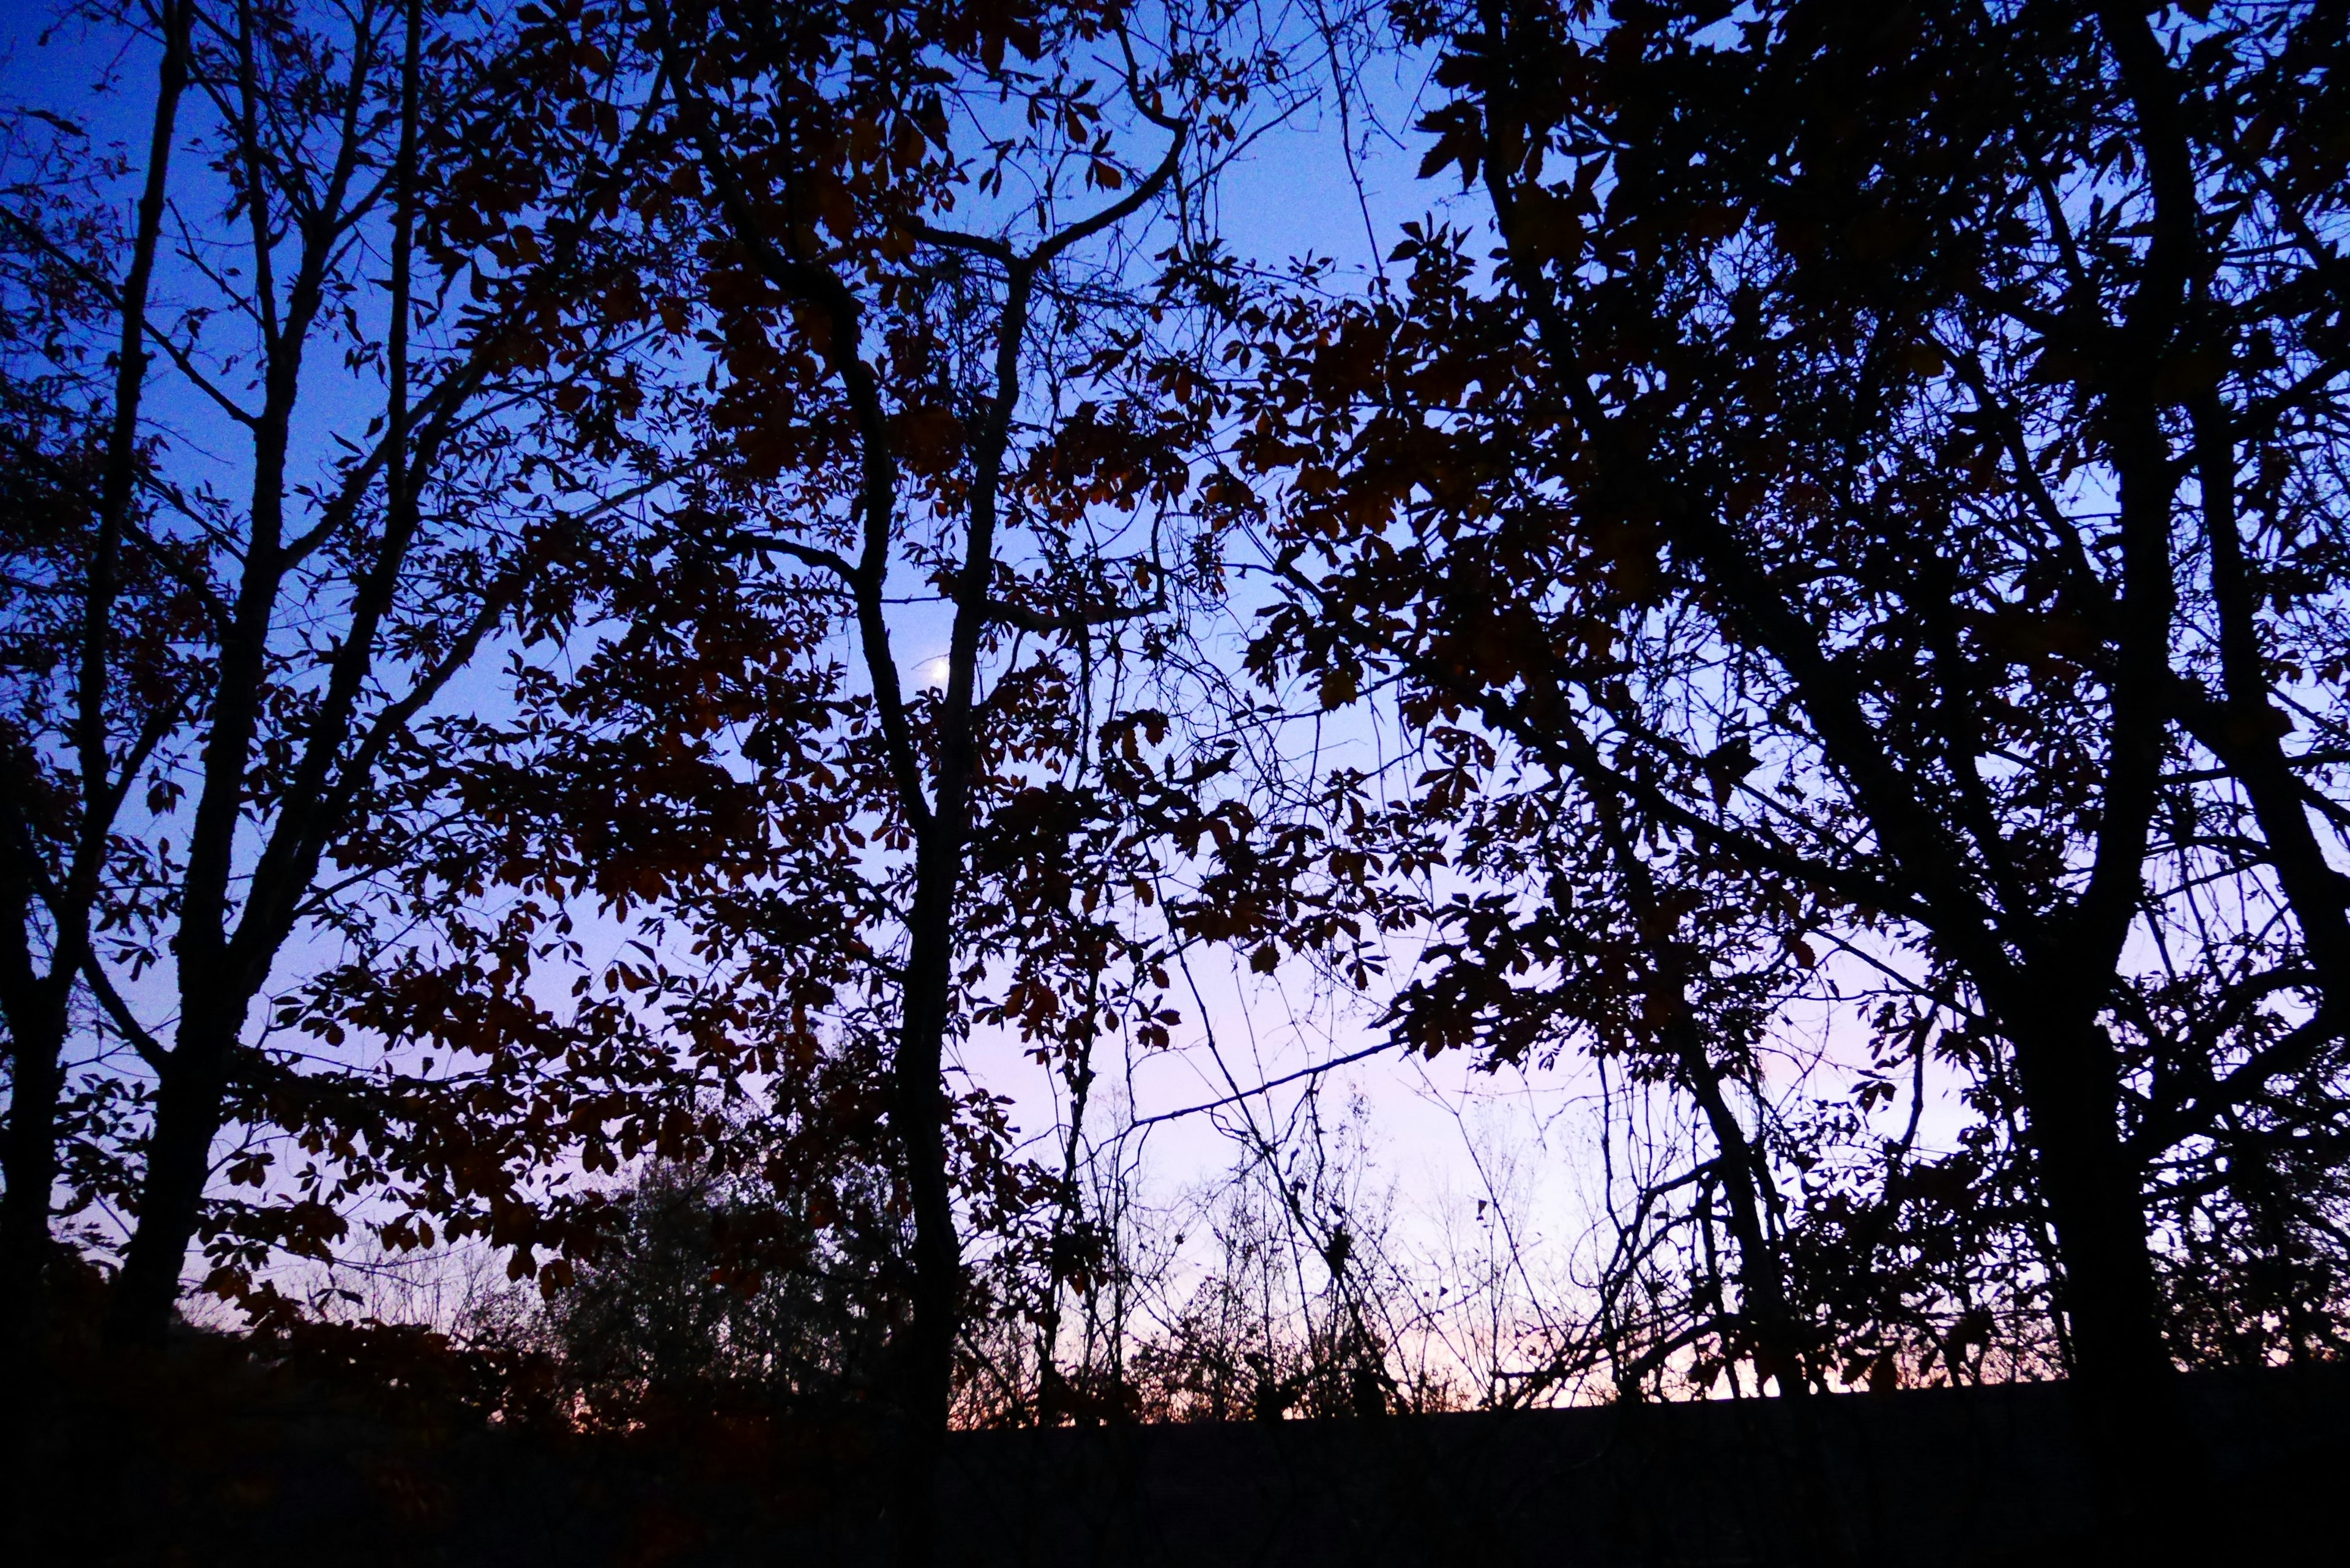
<point x="1833" y="532"/>
<point x="1864" y="541"/>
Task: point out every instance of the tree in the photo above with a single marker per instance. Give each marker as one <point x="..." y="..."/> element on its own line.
<point x="764" y="1276"/>
<point x="1892" y="464"/>
<point x="37" y="1003"/>
<point x="943" y="265"/>
<point x="251" y="675"/>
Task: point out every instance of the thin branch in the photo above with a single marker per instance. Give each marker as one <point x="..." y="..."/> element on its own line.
<point x="1269" y="1084"/>
<point x="151" y="1050"/>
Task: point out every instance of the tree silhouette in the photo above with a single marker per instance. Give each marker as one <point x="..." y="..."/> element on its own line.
<point x="1884" y="474"/>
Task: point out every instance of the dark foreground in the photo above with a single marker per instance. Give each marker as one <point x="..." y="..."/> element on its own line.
<point x="229" y="1463"/>
<point x="1923" y="1479"/>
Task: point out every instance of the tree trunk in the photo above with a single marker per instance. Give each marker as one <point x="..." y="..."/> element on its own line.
<point x="1762" y="1284"/>
<point x="925" y="1361"/>
<point x="2121" y="1369"/>
<point x="179" y="1165"/>
<point x="29" y="1160"/>
<point x="2100" y="1224"/>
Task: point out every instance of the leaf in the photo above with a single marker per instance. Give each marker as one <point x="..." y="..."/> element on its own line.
<point x="1726" y="765"/>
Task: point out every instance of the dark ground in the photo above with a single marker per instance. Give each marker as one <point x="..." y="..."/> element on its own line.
<point x="1921" y="1480"/>
<point x="211" y="1457"/>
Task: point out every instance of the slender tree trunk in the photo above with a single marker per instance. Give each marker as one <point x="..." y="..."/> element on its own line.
<point x="925" y="1359"/>
<point x="1762" y="1284"/>
<point x="1080" y="1078"/>
<point x="215" y="989"/>
<point x="1761" y="1279"/>
<point x="2247" y="738"/>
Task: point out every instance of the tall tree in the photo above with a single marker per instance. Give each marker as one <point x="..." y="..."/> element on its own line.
<point x="1894" y="458"/>
<point x="78" y="514"/>
<point x="942" y="262"/>
<point x="237" y="654"/>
